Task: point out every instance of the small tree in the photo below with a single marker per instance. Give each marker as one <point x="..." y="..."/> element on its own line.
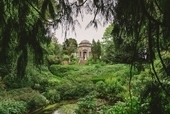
<point x="69" y="47"/>
<point x="96" y="50"/>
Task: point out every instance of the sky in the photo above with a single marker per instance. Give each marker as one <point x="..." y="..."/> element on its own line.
<point x="81" y="32"/>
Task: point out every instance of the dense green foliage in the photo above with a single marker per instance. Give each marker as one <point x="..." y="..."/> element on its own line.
<point x="12" y="107"/>
<point x="96" y="50"/>
<point x="69" y="46"/>
<point x="93" y="88"/>
<point x="53" y="53"/>
<point x="22" y="33"/>
<point x="69" y="50"/>
<point x="117" y="50"/>
<point x="139" y="35"/>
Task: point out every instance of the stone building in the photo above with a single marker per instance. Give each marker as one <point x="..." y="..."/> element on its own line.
<point x="84" y="50"/>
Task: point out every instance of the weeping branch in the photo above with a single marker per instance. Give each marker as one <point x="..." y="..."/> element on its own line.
<point x="41" y="15"/>
<point x="150" y="43"/>
<point x="158" y="80"/>
<point x="151" y="18"/>
<point x="158" y="50"/>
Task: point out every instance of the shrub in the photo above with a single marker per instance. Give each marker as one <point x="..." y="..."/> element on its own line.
<point x="130" y="106"/>
<point x="12" y="107"/>
<point x="87" y="105"/>
<point x="53" y="59"/>
<point x="42" y="78"/>
<point x="110" y="90"/>
<point x="65" y="57"/>
<point x="52" y="95"/>
<point x="33" y="98"/>
<point x="12" y="82"/>
<point x="74" y="89"/>
<point x="59" y="70"/>
<point x="37" y="101"/>
<point x="2" y="85"/>
<point x="68" y="109"/>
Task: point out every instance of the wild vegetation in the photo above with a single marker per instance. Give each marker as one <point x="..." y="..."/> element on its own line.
<point x="128" y="72"/>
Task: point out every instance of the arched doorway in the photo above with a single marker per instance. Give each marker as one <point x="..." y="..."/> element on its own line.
<point x="84" y="54"/>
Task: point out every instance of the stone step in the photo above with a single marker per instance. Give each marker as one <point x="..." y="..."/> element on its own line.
<point x="82" y="61"/>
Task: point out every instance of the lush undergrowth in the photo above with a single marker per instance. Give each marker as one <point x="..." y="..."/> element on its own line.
<point x="94" y="89"/>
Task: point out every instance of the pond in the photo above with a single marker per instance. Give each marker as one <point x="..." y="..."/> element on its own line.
<point x="63" y="107"/>
<point x="56" y="112"/>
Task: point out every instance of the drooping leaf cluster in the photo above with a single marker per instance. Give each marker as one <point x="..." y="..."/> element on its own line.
<point x="144" y="23"/>
<point x="24" y="23"/>
<point x="22" y="30"/>
<point x="138" y="22"/>
<point x="116" y="49"/>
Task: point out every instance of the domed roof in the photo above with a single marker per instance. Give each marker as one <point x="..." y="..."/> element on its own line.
<point x="85" y="42"/>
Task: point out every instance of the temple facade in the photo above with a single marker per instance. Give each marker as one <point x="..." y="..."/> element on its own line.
<point x="84" y="50"/>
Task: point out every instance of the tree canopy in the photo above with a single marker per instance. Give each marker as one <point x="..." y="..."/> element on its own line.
<point x="96" y="50"/>
<point x="70" y="46"/>
<point x="25" y="23"/>
<point x="22" y="28"/>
